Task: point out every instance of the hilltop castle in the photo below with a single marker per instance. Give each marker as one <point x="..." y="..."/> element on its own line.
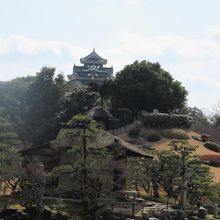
<point x="92" y="69"/>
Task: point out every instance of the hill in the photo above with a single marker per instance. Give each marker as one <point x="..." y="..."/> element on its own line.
<point x="163" y="144"/>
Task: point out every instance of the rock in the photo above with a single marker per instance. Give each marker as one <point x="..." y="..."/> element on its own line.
<point x="206" y="137"/>
<point x="202" y="213"/>
<point x="179" y="215"/>
<point x="197" y="137"/>
<point x="148" y="146"/>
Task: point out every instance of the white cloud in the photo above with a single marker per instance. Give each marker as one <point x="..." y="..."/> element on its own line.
<point x="187" y="48"/>
<point x="31" y="46"/>
<point x="214" y="31"/>
<point x="195" y="59"/>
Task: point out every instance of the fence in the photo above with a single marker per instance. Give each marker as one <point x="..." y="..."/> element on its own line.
<point x="135" y="124"/>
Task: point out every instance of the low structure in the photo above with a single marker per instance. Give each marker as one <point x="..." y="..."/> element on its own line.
<point x="104" y="118"/>
<point x="92" y="69"/>
<point x="55" y="153"/>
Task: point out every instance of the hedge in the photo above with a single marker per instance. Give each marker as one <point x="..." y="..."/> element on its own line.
<point x="153" y="137"/>
<point x="124" y="115"/>
<point x="175" y="134"/>
<point x="134" y="132"/>
<point x="212" y="146"/>
<point x="211" y="159"/>
<point x="163" y="120"/>
<point x="113" y="124"/>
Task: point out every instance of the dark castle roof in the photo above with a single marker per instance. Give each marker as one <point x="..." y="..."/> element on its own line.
<point x="93" y="58"/>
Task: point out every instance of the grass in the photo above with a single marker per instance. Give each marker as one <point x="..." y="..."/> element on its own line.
<point x="175" y="134"/>
<point x="155" y="135"/>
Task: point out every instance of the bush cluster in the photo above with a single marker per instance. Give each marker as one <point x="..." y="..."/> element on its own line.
<point x="175" y="134"/>
<point x="206" y="137"/>
<point x="163" y="120"/>
<point x="197" y="137"/>
<point x="212" y="146"/>
<point x="211" y="159"/>
<point x="124" y="115"/>
<point x="134" y="132"/>
<point x="150" y="135"/>
<point x="153" y="137"/>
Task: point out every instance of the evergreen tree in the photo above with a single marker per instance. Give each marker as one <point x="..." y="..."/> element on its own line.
<point x="146" y="86"/>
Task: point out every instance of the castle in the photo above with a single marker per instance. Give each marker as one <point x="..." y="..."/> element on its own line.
<point x="92" y="69"/>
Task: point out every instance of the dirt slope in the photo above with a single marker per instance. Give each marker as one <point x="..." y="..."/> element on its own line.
<point x="201" y="150"/>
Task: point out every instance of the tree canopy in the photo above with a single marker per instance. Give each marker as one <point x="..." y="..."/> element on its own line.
<point x="146" y="86"/>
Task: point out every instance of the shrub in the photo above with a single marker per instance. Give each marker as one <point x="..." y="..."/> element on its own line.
<point x="163" y="120"/>
<point x="211" y="159"/>
<point x="144" y="133"/>
<point x="206" y="137"/>
<point x="134" y="132"/>
<point x="114" y="123"/>
<point x="197" y="137"/>
<point x="212" y="146"/>
<point x="125" y="116"/>
<point x="175" y="134"/>
<point x="153" y="137"/>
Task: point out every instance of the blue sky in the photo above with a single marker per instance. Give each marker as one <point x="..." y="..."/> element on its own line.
<point x="184" y="36"/>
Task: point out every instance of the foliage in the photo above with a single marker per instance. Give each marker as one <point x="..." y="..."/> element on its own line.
<point x="146" y="86"/>
<point x="175" y="134"/>
<point x="10" y="162"/>
<point x="83" y="121"/>
<point x="76" y="100"/>
<point x="198" y="175"/>
<point x="212" y="146"/>
<point x="168" y="163"/>
<point x="124" y="115"/>
<point x="10" y="171"/>
<point x="105" y="91"/>
<point x="36" y="106"/>
<point x="165" y="172"/>
<point x="89" y="167"/>
<point x="215" y="116"/>
<point x="93" y="86"/>
<point x="43" y="105"/>
<point x="213" y="192"/>
<point x="32" y="105"/>
<point x="199" y="181"/>
<point x="13" y="103"/>
<point x="134" y="132"/>
<point x="32" y="186"/>
<point x="211" y="159"/>
<point x="114" y="123"/>
<point x="183" y="147"/>
<point x="153" y="137"/>
<point x="7" y="133"/>
<point x="197" y="115"/>
<point x="150" y="134"/>
<point x="162" y="120"/>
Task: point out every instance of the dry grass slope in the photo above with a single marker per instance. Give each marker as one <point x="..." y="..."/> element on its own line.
<point x="163" y="144"/>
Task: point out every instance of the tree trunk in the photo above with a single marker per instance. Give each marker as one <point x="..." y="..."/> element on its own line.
<point x="145" y="189"/>
<point x="136" y="187"/>
<point x="39" y="205"/>
<point x="156" y="191"/>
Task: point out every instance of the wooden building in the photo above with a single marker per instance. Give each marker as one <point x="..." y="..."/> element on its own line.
<point x="55" y="153"/>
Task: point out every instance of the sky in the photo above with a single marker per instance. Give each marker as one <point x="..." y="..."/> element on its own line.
<point x="182" y="35"/>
